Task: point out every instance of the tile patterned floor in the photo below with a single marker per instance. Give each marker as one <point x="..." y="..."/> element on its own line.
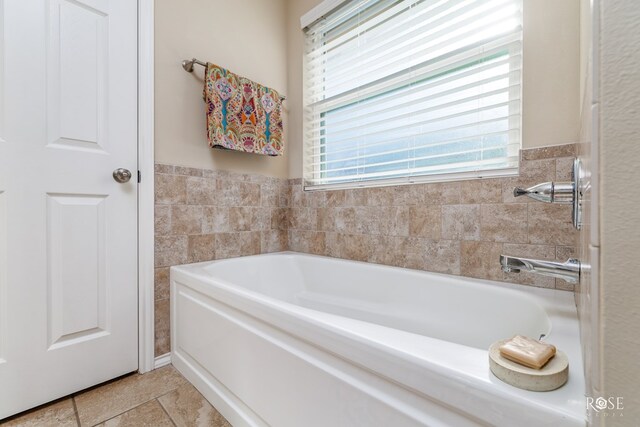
<point x="156" y="399"/>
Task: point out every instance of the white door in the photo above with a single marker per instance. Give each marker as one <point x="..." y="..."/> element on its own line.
<point x="68" y="245"/>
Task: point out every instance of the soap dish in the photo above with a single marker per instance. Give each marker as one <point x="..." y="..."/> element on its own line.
<point x="553" y="375"/>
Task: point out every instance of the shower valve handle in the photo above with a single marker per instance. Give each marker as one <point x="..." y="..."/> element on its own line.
<point x="548" y="192"/>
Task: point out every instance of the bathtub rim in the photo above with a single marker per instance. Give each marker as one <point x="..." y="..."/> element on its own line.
<point x="441" y="382"/>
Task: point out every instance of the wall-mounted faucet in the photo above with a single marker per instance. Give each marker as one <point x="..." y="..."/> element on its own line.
<point x="568" y="270"/>
<point x="551" y="192"/>
<point x="548" y="192"/>
<point x="559" y="192"/>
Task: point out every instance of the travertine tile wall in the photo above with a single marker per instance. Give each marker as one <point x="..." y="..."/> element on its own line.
<point x="201" y="215"/>
<point x="456" y="228"/>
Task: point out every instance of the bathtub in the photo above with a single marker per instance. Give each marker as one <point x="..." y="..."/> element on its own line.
<point x="289" y="339"/>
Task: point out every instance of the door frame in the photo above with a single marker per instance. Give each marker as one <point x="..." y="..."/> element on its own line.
<point x="146" y="306"/>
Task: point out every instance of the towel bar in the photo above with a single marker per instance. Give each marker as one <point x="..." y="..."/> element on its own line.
<point x="187" y="64"/>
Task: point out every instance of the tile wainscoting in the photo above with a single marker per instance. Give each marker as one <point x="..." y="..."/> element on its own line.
<point x="456" y="228"/>
<point x="202" y="215"/>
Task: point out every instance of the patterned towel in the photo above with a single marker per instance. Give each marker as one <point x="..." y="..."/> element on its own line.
<point x="242" y="115"/>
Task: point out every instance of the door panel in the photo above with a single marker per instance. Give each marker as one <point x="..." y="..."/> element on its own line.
<point x="76" y="258"/>
<point x="68" y="245"/>
<point x="77" y="57"/>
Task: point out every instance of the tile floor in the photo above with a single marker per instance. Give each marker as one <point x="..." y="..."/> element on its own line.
<point x="158" y="398"/>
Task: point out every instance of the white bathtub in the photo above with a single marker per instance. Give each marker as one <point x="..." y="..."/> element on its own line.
<point x="300" y="340"/>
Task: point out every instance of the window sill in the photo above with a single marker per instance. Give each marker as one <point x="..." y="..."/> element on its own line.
<point x="446" y="177"/>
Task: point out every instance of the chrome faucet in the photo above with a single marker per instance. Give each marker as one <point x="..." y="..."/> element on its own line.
<point x="560" y="192"/>
<point x="568" y="270"/>
<point x="549" y="192"/>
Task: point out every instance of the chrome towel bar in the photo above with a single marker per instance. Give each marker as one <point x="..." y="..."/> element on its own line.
<point x="187" y="64"/>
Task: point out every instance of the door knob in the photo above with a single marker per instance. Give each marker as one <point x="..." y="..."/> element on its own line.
<point x="122" y="175"/>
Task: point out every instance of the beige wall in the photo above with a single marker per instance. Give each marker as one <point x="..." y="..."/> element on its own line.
<point x="619" y="147"/>
<point x="551" y="89"/>
<point x="609" y="295"/>
<point x="295" y="51"/>
<point x="267" y="46"/>
<point x="246" y="36"/>
<point x="585" y="52"/>
<point x="551" y="72"/>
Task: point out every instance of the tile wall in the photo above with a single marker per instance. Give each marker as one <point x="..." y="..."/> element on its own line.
<point x="202" y="215"/>
<point x="456" y="228"/>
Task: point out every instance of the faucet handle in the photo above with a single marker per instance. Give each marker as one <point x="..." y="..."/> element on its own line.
<point x="561" y="192"/>
<point x="517" y="192"/>
<point x="548" y="192"/>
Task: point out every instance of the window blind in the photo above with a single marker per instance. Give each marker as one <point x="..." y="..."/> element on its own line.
<point x="408" y="90"/>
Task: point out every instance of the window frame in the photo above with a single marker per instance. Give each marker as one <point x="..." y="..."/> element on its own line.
<point x="319" y="12"/>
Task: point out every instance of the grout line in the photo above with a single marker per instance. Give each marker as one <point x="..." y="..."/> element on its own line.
<point x="121" y="413"/>
<point x="124" y="412"/>
<point x="75" y="410"/>
<point x="131" y="409"/>
<point x="165" y="409"/>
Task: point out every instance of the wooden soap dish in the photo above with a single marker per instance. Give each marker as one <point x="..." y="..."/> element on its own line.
<point x="553" y="375"/>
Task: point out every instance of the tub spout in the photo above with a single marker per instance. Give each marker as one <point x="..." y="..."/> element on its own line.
<point x="568" y="270"/>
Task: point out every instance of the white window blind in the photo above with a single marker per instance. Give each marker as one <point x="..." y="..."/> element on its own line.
<point x="408" y="90"/>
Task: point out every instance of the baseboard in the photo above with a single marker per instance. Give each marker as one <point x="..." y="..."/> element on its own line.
<point x="161" y="361"/>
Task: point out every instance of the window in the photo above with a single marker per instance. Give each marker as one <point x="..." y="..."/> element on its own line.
<point x="402" y="91"/>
